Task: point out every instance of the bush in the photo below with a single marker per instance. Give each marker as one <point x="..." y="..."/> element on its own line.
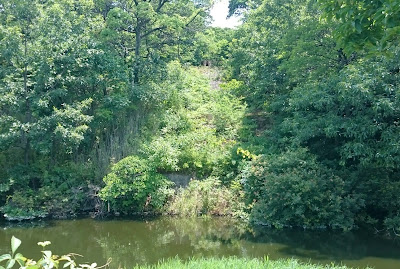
<point x="207" y="197"/>
<point x="133" y="186"/>
<point x="392" y="224"/>
<point x="60" y="192"/>
<point x="23" y="206"/>
<point x="293" y="189"/>
<point x="46" y="201"/>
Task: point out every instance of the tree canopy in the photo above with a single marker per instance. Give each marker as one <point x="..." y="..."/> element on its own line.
<point x="365" y="24"/>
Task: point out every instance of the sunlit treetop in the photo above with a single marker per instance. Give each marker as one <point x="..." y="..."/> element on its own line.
<point x="365" y="24"/>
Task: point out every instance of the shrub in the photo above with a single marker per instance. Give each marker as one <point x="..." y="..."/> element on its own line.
<point x="206" y="197"/>
<point x="46" y="201"/>
<point x="293" y="189"/>
<point x="133" y="185"/>
<point x="23" y="205"/>
<point x="393" y="224"/>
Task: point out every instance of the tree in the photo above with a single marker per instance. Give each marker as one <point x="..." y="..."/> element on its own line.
<point x="141" y="30"/>
<point x="281" y="44"/>
<point x="309" y="91"/>
<point x="365" y="24"/>
<point x="240" y="7"/>
<point x="77" y="79"/>
<point x="17" y="27"/>
<point x="350" y="121"/>
<point x="38" y="107"/>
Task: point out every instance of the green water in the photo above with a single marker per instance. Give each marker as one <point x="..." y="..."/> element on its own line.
<point x="130" y="242"/>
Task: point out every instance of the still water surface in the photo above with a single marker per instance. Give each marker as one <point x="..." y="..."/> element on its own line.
<point x="131" y="242"/>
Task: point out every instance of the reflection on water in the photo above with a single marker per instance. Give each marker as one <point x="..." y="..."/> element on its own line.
<point x="130" y="242"/>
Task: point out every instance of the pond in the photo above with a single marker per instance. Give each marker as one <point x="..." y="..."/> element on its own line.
<point x="131" y="242"/>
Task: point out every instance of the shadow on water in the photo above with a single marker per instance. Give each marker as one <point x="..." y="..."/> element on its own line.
<point x="25" y="224"/>
<point x="329" y="245"/>
<point x="146" y="241"/>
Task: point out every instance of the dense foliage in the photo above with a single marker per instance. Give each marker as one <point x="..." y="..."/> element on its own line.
<point x="325" y="115"/>
<point x="193" y="132"/>
<point x="207" y="197"/>
<point x="78" y="80"/>
<point x="293" y="190"/>
<point x="365" y="24"/>
<point x="133" y="185"/>
<point x="298" y="126"/>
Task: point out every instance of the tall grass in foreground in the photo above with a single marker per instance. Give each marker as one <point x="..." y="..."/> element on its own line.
<point x="236" y="263"/>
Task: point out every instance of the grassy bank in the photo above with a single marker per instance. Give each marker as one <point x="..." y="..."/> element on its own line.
<point x="233" y="262"/>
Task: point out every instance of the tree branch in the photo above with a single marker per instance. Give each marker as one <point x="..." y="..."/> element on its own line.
<point x="161" y="3"/>
<point x="194" y="17"/>
<point x="152" y="31"/>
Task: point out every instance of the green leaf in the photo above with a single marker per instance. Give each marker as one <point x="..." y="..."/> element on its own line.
<point x="5" y="257"/>
<point x="15" y="243"/>
<point x="10" y="264"/>
<point x="67" y="264"/>
<point x="357" y="25"/>
<point x="47" y="253"/>
<point x="20" y="259"/>
<point x="18" y="256"/>
<point x="1" y="267"/>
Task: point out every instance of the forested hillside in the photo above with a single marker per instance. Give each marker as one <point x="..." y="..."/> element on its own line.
<point x="321" y="79"/>
<point x="294" y="124"/>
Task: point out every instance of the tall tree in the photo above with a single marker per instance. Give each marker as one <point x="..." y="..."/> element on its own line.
<point x="140" y="30"/>
<point x="43" y="100"/>
<point x="17" y="30"/>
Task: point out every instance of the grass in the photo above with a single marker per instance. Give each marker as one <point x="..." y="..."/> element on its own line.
<point x="236" y="263"/>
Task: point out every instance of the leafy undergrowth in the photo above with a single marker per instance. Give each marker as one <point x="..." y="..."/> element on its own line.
<point x="207" y="197"/>
<point x="237" y="263"/>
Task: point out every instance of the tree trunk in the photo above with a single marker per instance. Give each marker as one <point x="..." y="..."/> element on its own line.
<point x="137" y="57"/>
<point x="28" y="114"/>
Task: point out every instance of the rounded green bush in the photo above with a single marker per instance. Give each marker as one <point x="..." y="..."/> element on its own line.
<point x="293" y="189"/>
<point x="133" y="185"/>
